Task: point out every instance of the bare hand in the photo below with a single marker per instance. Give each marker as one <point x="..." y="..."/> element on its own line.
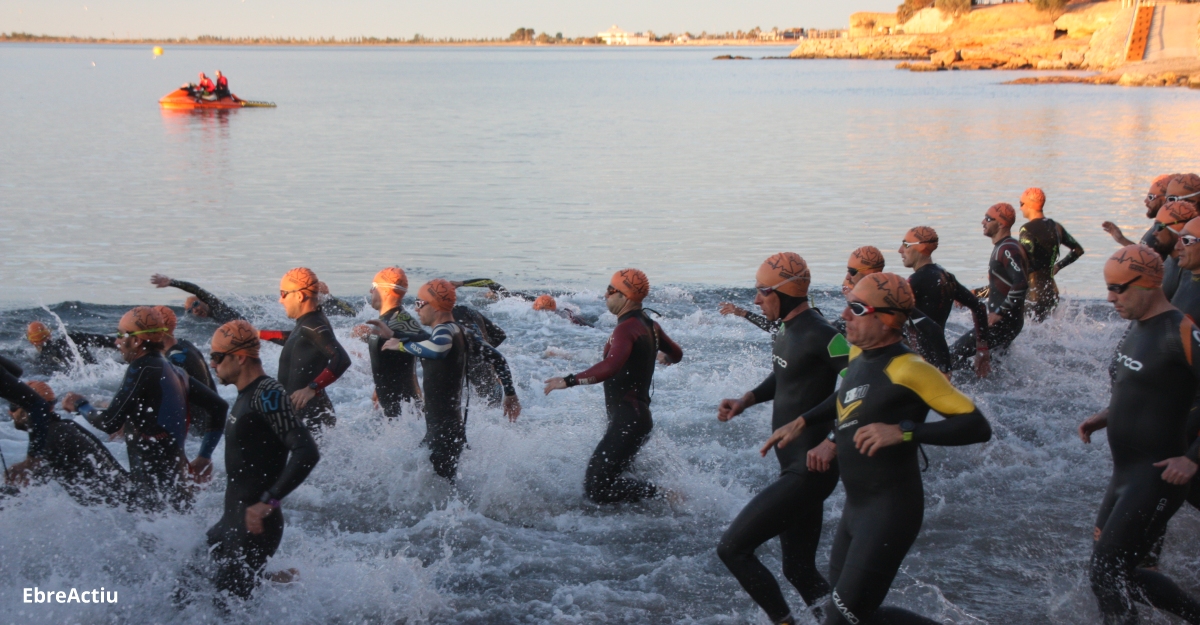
<point x="379" y="328"/>
<point x="255" y="515"/>
<point x="870" y="438"/>
<point x="730" y="408"/>
<point x="393" y="344"/>
<point x="555" y="384"/>
<point x="71" y="401"/>
<point x="1094" y="423"/>
<point x="983" y="363"/>
<point x="728" y="308"/>
<point x="1115" y="232"/>
<point x="512" y="408"/>
<point x="663" y="359"/>
<point x="160" y="281"/>
<point x="993" y="318"/>
<point x="1179" y="470"/>
<point x="301" y="397"/>
<point x="361" y="332"/>
<point x="821" y="457"/>
<point x="18" y="474"/>
<point x="200" y="469"/>
<point x="784" y="435"/>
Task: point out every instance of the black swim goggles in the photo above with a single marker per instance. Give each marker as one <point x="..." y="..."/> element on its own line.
<point x="1158" y="225"/>
<point x="1121" y="288"/>
<point x="859" y="309"/>
<point x="851" y="271"/>
<point x="1176" y="198"/>
<point x="217" y="357"/>
<point x="767" y="290"/>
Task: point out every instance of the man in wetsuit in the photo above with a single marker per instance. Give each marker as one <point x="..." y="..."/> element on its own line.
<point x="186" y="356"/>
<point x="395" y="372"/>
<point x="200" y="303"/>
<point x="334" y="306"/>
<point x="40" y="412"/>
<point x="151" y="408"/>
<point x="935" y="291"/>
<point x="1154" y="201"/>
<point x="879" y="415"/>
<point x="1005" y="294"/>
<point x="808" y="354"/>
<point x="1154" y="375"/>
<point x="547" y="303"/>
<point x="1042" y="238"/>
<point x="445" y="355"/>
<point x="494" y="289"/>
<point x="55" y="355"/>
<point x="1167" y="226"/>
<point x="72" y="455"/>
<point x="312" y="358"/>
<point x="268" y="453"/>
<point x="627" y="372"/>
<point x="484" y="378"/>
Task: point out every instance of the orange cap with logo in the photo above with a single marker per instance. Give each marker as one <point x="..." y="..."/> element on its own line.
<point x="886" y="290"/>
<point x="1192" y="227"/>
<point x="236" y="338"/>
<point x="322" y="288"/>
<point x="1159" y="186"/>
<point x="1003" y="213"/>
<point x="143" y="322"/>
<point x="785" y="272"/>
<point x="43" y="389"/>
<point x="1137" y="265"/>
<point x="168" y="317"/>
<point x="632" y="283"/>
<point x="37" y="332"/>
<point x="438" y="293"/>
<point x="1176" y="214"/>
<point x="1185" y="185"/>
<point x="545" y="302"/>
<point x="391" y="278"/>
<point x="866" y="259"/>
<point x="926" y="236"/>
<point x="300" y="279"/>
<point x="1034" y="197"/>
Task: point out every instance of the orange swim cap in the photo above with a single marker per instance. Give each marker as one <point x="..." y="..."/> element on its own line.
<point x="392" y="278"/>
<point x="866" y="259"/>
<point x="926" y="236"/>
<point x="168" y="317"/>
<point x="1185" y="184"/>
<point x="144" y="322"/>
<point x="787" y="273"/>
<point x="886" y="290"/>
<point x="1176" y="214"/>
<point x="1134" y="264"/>
<point x="236" y="338"/>
<point x="1003" y="213"/>
<point x="37" y="332"/>
<point x="545" y="302"/>
<point x="632" y="283"/>
<point x="1034" y="197"/>
<point x="322" y="288"/>
<point x="300" y="279"/>
<point x="43" y="389"/>
<point x="438" y="293"/>
<point x="1159" y="186"/>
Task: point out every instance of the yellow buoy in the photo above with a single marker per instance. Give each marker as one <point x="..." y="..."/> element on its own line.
<point x="157" y="50"/>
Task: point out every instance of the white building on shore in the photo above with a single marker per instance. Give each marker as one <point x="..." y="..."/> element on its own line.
<point x="617" y="37"/>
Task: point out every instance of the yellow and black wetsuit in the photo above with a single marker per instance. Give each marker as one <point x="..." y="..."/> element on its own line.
<point x="885" y="499"/>
<point x="1154" y="374"/>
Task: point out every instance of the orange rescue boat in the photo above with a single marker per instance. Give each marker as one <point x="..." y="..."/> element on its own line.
<point x="179" y="99"/>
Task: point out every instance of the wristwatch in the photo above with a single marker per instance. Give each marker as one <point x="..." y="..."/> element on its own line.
<point x="314" y="386"/>
<point x="906" y="430"/>
<point x="269" y="499"/>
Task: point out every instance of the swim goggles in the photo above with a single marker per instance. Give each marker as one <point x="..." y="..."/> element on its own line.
<point x="385" y="285"/>
<point x="1121" y="288"/>
<point x="1176" y="198"/>
<point x="859" y="309"/>
<point x="988" y="219"/>
<point x="1188" y="239"/>
<point x="124" y="335"/>
<point x="767" y="290"/>
<point x="419" y="304"/>
<point x="851" y="271"/>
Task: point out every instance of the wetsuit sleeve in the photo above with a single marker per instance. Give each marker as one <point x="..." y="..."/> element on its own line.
<point x="11" y="367"/>
<point x="765" y="391"/>
<point x="342" y="307"/>
<point x="824" y="412"/>
<point x="124" y="404"/>
<point x="761" y="321"/>
<point x="339" y="360"/>
<point x="405" y="327"/>
<point x="494" y="331"/>
<point x="667" y="346"/>
<point x="486" y="283"/>
<point x="620" y="345"/>
<point x="1012" y="270"/>
<point x="436" y="347"/>
<point x="978" y="308"/>
<point x="41" y="413"/>
<point x="964" y="424"/>
<point x="493" y="357"/>
<point x="220" y="312"/>
<point x="93" y="340"/>
<point x="304" y="454"/>
<point x="278" y="337"/>
<point x="1070" y="242"/>
<point x="216" y="409"/>
<point x="1189" y="336"/>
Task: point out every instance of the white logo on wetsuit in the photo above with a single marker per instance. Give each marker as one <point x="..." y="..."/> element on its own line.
<point x="849" y="616"/>
<point x="856" y="394"/>
<point x="1129" y="363"/>
<point x="1196" y="335"/>
<point x="781" y="362"/>
<point x="1012" y="261"/>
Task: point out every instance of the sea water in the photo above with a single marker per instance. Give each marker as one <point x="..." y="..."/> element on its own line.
<point x="548" y="169"/>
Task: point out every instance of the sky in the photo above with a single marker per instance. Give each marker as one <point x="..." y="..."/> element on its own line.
<point x="404" y="18"/>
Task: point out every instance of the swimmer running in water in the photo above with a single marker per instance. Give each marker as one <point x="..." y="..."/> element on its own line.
<point x="494" y="289"/>
<point x="186" y="356"/>
<point x="547" y="303"/>
<point x="627" y="372"/>
<point x="1154" y="201"/>
<point x="445" y="361"/>
<point x="394" y="372"/>
<point x="200" y="303"/>
<point x="312" y="358"/>
<point x="879" y="414"/>
<point x="334" y="306"/>
<point x="1005" y="294"/>
<point x="808" y="354"/>
<point x="1042" y="239"/>
<point x="1154" y="372"/>
<point x="55" y="354"/>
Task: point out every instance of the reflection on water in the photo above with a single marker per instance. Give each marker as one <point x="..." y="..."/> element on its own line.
<point x="541" y="165"/>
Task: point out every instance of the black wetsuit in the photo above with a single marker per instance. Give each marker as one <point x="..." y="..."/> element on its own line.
<point x="483" y="377"/>
<point x="1154" y="374"/>
<point x="217" y="310"/>
<point x="152" y="407"/>
<point x="761" y="322"/>
<point x="935" y="291"/>
<point x="1172" y="276"/>
<point x="627" y="372"/>
<point x="395" y="372"/>
<point x="338" y="307"/>
<point x="1042" y="238"/>
<point x="498" y="289"/>
<point x="187" y="357"/>
<point x="885" y="497"/>
<point x="1005" y="293"/>
<point x="41" y="412"/>
<point x="311" y="355"/>
<point x="83" y="465"/>
<point x="926" y="337"/>
<point x="808" y="355"/>
<point x="268" y="453"/>
<point x="56" y="354"/>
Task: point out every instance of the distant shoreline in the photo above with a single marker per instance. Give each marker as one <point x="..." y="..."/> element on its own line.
<point x="364" y="43"/>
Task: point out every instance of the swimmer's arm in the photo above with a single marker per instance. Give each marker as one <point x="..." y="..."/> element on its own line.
<point x="219" y="310"/>
<point x="978" y="309"/>
<point x="278" y="337"/>
<point x="122" y="408"/>
<point x="616" y="354"/>
<point x="486" y="283"/>
<point x="40" y="411"/>
<point x="494" y="332"/>
<point x="215" y="407"/>
<point x="303" y="457"/>
<point x="761" y="321"/>
<point x="12" y="367"/>
<point x="436" y="347"/>
<point x="1014" y="274"/>
<point x="963" y="423"/>
<point x="665" y="345"/>
<point x="1070" y="242"/>
<point x="93" y="340"/>
<point x="765" y="391"/>
<point x="824" y="412"/>
<point x="494" y="358"/>
<point x="339" y="360"/>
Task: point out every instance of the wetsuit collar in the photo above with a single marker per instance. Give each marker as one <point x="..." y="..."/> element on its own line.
<point x="639" y="312"/>
<point x="309" y="314"/>
<point x="885" y="351"/>
<point x="389" y="312"/>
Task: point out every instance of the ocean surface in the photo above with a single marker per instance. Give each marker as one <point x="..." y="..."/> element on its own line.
<point x="547" y="169"/>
